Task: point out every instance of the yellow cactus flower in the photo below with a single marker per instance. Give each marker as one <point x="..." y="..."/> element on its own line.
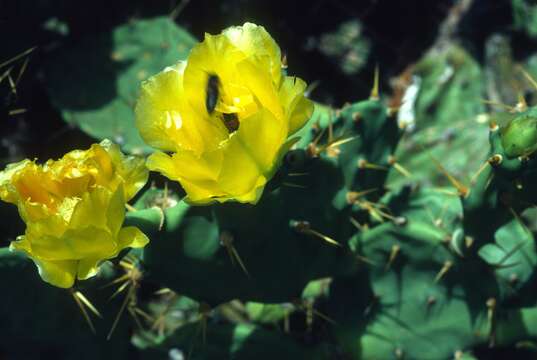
<point x="74" y="210"/>
<point x="222" y="119"/>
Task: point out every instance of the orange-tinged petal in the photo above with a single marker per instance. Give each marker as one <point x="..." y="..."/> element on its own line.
<point x="74" y="208"/>
<point x="8" y="191"/>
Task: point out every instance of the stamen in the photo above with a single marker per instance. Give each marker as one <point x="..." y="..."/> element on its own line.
<point x="231" y="121"/>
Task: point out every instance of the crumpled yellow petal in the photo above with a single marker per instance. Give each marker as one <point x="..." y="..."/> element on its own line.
<point x="91" y="231"/>
<point x="38" y="187"/>
<point x="100" y="209"/>
<point x="129" y="170"/>
<point x="74" y="208"/>
<point x="25" y="184"/>
<point x="8" y="192"/>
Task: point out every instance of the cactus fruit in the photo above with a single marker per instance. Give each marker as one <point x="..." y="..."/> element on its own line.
<point x="519" y="136"/>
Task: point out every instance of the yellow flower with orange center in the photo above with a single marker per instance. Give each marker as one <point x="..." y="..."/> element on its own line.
<point x="74" y="210"/>
<point x="223" y="118"/>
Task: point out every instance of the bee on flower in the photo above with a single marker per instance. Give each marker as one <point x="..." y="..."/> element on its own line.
<point x="223" y="119"/>
<point x="74" y="209"/>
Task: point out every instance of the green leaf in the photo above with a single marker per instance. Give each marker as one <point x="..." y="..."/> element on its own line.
<point x="513" y="255"/>
<point x="267" y="313"/>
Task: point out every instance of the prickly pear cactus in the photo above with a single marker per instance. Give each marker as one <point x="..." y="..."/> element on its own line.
<point x="385" y="232"/>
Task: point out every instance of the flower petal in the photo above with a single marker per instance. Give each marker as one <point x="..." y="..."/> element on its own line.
<point x="216" y="55"/>
<point x="186" y="165"/>
<point x="74" y="208"/>
<point x="253" y="39"/>
<point x="131" y="236"/>
<point x="101" y="209"/>
<point x="58" y="273"/>
<point x="240" y="172"/>
<point x="262" y="135"/>
<point x="198" y="176"/>
<point x="298" y="108"/>
<point x="74" y="244"/>
<point x="261" y="85"/>
<point x="87" y="268"/>
<point x="234" y="82"/>
<point x="165" y="119"/>
<point x="8" y="192"/>
<point x="130" y="170"/>
<point x="89" y="231"/>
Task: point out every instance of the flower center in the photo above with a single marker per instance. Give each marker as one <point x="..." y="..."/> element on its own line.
<point x="226" y="106"/>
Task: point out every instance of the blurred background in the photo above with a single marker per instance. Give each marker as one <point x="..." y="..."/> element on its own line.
<point x="70" y="70"/>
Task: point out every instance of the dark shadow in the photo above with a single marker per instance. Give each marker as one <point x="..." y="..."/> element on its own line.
<point x="40" y="320"/>
<point x="399" y="32"/>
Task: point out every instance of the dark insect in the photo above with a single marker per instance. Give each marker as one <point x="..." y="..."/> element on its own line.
<point x="213" y="85"/>
<point x="231" y="121"/>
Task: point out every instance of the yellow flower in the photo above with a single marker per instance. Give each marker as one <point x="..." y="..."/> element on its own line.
<point x="222" y="119"/>
<point x="74" y="209"/>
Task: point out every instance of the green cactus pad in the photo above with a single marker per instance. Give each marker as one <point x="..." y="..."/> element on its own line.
<point x="446" y="109"/>
<point x="421" y="302"/>
<point x="279" y="257"/>
<point x="513" y="256"/>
